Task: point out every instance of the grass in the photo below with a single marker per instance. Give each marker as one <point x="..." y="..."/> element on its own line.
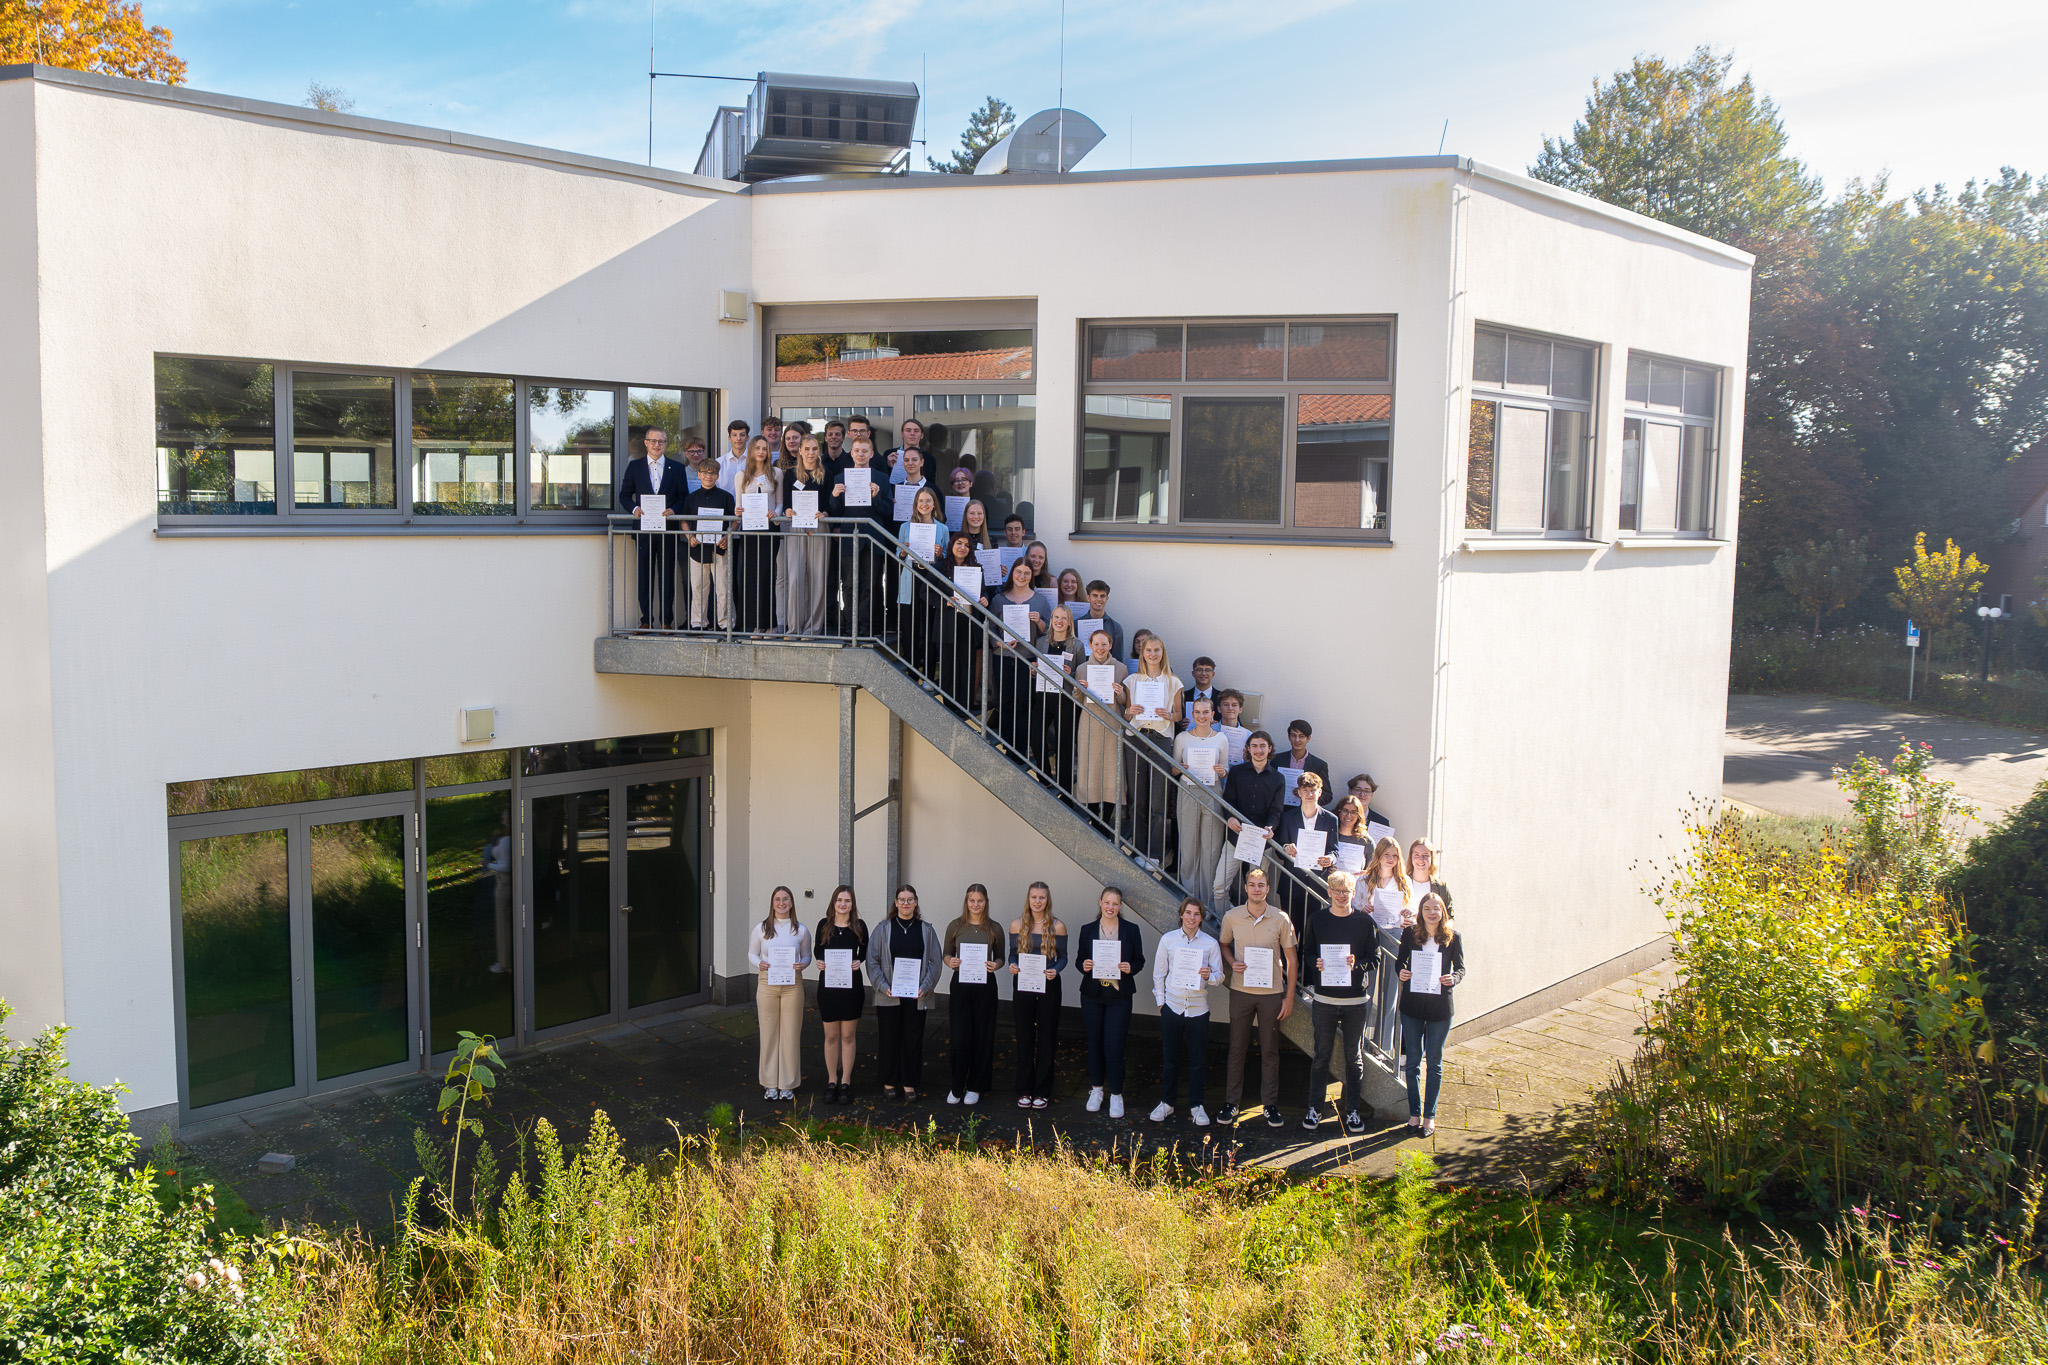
<point x="796" y="1248"/>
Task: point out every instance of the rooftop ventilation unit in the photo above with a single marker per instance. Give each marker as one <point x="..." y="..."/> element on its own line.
<point x="1050" y="141"/>
<point x="812" y="125"/>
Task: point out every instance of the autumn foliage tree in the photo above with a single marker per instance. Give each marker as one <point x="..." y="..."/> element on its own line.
<point x="106" y="36"/>
<point x="1934" y="588"/>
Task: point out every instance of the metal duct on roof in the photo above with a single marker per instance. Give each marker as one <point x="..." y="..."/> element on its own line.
<point x="812" y="125"/>
<point x="1049" y="142"/>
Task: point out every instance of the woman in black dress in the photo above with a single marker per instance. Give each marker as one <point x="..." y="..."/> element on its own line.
<point x="840" y="1006"/>
<point x="959" y="634"/>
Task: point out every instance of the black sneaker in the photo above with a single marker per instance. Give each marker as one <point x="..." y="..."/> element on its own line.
<point x="1275" y="1119"/>
<point x="1311" y="1120"/>
<point x="1354" y="1122"/>
<point x="1227" y="1116"/>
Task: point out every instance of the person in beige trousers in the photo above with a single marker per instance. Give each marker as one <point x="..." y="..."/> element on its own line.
<point x="779" y="993"/>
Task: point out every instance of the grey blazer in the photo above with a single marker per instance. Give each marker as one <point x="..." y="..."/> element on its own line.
<point x="882" y="966"/>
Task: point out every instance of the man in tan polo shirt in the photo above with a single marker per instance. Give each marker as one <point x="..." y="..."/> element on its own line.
<point x="1257" y="925"/>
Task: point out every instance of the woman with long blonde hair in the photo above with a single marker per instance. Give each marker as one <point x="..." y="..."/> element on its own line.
<point x="806" y="554"/>
<point x="1037" y="1012"/>
<point x="1425" y="870"/>
<point x="1148" y="782"/>
<point x="753" y="563"/>
<point x="779" y="1005"/>
<point x="1426" y="1012"/>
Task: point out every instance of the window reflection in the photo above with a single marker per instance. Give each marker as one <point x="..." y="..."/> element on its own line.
<point x="994" y="436"/>
<point x="681" y="413"/>
<point x="1230" y="459"/>
<point x="572" y="907"/>
<point x="903" y="357"/>
<point x="344" y="428"/>
<point x="216" y="437"/>
<point x="360" y="939"/>
<point x="1338" y="350"/>
<point x="470" y="947"/>
<point x="1256" y="352"/>
<point x="569" y="446"/>
<point x="285" y="788"/>
<point x="1125" y="354"/>
<point x="1340" y="460"/>
<point x="1124" y="457"/>
<point x="462" y="446"/>
<point x="236" y="926"/>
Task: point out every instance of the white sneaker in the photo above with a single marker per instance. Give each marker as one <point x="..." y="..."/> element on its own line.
<point x="952" y="1097"/>
<point x="1161" y="1112"/>
<point x="770" y="1093"/>
<point x="971" y="1097"/>
<point x="1095" y="1099"/>
<point x="1200" y="1116"/>
<point x="1116" y="1106"/>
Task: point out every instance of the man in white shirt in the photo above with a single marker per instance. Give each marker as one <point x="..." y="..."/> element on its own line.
<point x="734" y="460"/>
<point x="1204" y="689"/>
<point x="1184" y="1010"/>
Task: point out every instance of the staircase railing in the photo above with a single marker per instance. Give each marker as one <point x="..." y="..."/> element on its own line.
<point x="1119" y="780"/>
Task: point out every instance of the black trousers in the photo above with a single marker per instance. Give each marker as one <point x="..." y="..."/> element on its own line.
<point x="974" y="1036"/>
<point x="1148" y="794"/>
<point x="859" y="592"/>
<point x="1061" y="718"/>
<point x="655" y="575"/>
<point x="753" y="581"/>
<point x="901" y="1056"/>
<point x="1038" y="1038"/>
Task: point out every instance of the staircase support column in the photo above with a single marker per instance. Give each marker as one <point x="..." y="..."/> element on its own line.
<point x="895" y="813"/>
<point x="846" y="700"/>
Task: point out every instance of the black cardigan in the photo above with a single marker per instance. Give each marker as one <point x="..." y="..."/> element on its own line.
<point x="1133" y="953"/>
<point x="1431" y="1008"/>
<point x="1260" y="795"/>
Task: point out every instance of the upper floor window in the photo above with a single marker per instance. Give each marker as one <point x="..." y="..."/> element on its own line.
<point x="1669" y="447"/>
<point x="1529" y="452"/>
<point x="401" y="446"/>
<point x="1280" y="425"/>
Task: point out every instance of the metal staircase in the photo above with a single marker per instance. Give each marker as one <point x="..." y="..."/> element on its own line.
<point x="951" y="671"/>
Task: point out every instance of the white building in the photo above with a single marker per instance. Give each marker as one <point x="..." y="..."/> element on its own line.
<point x="1476" y="590"/>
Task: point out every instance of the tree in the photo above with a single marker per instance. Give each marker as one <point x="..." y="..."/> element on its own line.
<point x="328" y="99"/>
<point x="986" y="127"/>
<point x="1825" y="577"/>
<point x="106" y="36"/>
<point x="1934" y="588"/>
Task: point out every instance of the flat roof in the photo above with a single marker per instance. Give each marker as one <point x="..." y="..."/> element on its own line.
<point x="292" y="113"/>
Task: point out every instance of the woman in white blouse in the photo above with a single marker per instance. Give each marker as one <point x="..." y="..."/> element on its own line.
<point x="779" y="994"/>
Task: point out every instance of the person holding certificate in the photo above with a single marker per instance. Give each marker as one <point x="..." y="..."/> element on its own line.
<point x="1377" y="826"/>
<point x="1153" y="695"/>
<point x="1040" y="560"/>
<point x="958" y="637"/>
<point x="656" y="477"/>
<point x="1353" y="847"/>
<point x="974" y="950"/>
<point x="1305" y="834"/>
<point x="1258" y="942"/>
<point x="1055" y="709"/>
<point x="1432" y="962"/>
<point x="899" y="498"/>
<point x="1188" y="962"/>
<point x="1201" y="750"/>
<point x="807" y="550"/>
<point x="1018" y="604"/>
<point x="1385" y="893"/>
<point x="753" y="557"/>
<point x="710" y="508"/>
<point x="1112" y="954"/>
<point x="1340" y="949"/>
<point x="1070" y="593"/>
<point x="1425" y="874"/>
<point x="974" y="521"/>
<point x="1299" y="758"/>
<point x="858" y="597"/>
<point x="917" y="599"/>
<point x="1038" y="954"/>
<point x="840" y="946"/>
<point x="1098" y="765"/>
<point x="1254" y="787"/>
<point x="779" y="949"/>
<point x="903" y="965"/>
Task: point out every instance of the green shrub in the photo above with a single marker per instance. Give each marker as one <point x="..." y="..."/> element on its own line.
<point x="2002" y="887"/>
<point x="92" y="1267"/>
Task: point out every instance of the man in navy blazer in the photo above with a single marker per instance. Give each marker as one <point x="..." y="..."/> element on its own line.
<point x="656" y="554"/>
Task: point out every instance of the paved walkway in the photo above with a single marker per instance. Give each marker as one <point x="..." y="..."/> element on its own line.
<point x="1506" y="1099"/>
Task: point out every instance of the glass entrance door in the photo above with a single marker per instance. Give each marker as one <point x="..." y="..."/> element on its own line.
<point x="573" y="906"/>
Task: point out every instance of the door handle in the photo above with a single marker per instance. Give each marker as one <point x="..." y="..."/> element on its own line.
<point x="625" y="909"/>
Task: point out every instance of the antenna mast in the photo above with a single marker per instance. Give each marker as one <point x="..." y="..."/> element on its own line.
<point x="650" y="81"/>
<point x="1059" y="150"/>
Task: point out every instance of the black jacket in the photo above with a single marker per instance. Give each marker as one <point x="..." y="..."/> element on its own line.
<point x="1257" y="794"/>
<point x="1291" y="825"/>
<point x="880" y="504"/>
<point x="675" y="484"/>
<point x="1431" y="1007"/>
<point x="1133" y="953"/>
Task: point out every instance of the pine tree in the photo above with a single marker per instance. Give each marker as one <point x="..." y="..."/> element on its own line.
<point x="986" y="127"/>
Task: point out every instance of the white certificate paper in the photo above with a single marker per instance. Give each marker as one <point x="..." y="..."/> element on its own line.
<point x="955" y="509"/>
<point x="1201" y="763"/>
<point x="1335" y="972"/>
<point x="708" y="529"/>
<point x="991" y="562"/>
<point x="782" y="964"/>
<point x="1010" y="554"/>
<point x="1350" y="857"/>
<point x="967" y="581"/>
<point x="1251" y="845"/>
<point x="1290" y="776"/>
<point x="860" y="486"/>
<point x="1108" y="959"/>
<point x="1150" y="693"/>
<point x="803" y="508"/>
<point x="1235" y="736"/>
<point x="974" y="963"/>
<point x="903" y="977"/>
<point x="1048" y="675"/>
<point x="753" y="511"/>
<point x="1031" y="972"/>
<point x="1084" y="627"/>
<point x="652" y="505"/>
<point x="906" y="499"/>
<point x="1425" y="970"/>
<point x="1258" y="969"/>
<point x="1017" y="619"/>
<point x="1102" y="682"/>
<point x="1308" y="846"/>
<point x="839" y="968"/>
<point x="1186" y="972"/>
<point x="923" y="539"/>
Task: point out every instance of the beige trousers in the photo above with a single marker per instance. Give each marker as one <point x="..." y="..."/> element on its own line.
<point x="781" y="1009"/>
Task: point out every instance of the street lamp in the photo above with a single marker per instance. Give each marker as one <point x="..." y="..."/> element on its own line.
<point x="1989" y="616"/>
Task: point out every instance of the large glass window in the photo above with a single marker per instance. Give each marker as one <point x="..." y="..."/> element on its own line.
<point x="903" y="357"/>
<point x="462" y="438"/>
<point x="344" y="441"/>
<point x="470" y="896"/>
<point x="216" y="436"/>
<point x="235" y="919"/>
<point x="1669" y="447"/>
<point x="569" y="433"/>
<point x="994" y="437"/>
<point x="1277" y="425"/>
<point x="1529" y="445"/>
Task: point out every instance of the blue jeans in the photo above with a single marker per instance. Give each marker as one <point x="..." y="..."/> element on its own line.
<point x="1420" y="1037"/>
<point x="1107" y="1023"/>
<point x="1183" y="1035"/>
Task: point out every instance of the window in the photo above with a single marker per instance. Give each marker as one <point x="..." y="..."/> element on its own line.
<point x="1529" y="447"/>
<point x="401" y="447"/>
<point x="995" y="435"/>
<point x="1278" y="425"/>
<point x="902" y="357"/>
<point x="1669" y="447"/>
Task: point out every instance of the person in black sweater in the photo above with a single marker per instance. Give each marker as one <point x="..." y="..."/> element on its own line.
<point x="1254" y="787"/>
<point x="710" y="570"/>
<point x="1106" y="1005"/>
<point x="840" y="1007"/>
<point x="1426" y="1017"/>
<point x="1339" y="1008"/>
<point x="858" y="596"/>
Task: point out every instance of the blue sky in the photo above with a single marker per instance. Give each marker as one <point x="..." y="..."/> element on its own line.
<point x="1923" y="94"/>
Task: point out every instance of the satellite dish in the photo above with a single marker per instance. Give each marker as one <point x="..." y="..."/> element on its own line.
<point x="1050" y="142"/>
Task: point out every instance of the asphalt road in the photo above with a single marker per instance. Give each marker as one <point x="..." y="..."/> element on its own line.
<point x="1781" y="751"/>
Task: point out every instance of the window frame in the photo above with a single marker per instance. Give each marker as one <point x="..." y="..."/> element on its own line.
<point x="1290" y="390"/>
<point x="286" y="514"/>
<point x="1502" y="396"/>
<point x="1709" y="528"/>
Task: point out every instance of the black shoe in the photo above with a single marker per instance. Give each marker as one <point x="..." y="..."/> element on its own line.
<point x="1311" y="1120"/>
<point x="1275" y="1119"/>
<point x="1355" y="1121"/>
<point x="1227" y="1116"/>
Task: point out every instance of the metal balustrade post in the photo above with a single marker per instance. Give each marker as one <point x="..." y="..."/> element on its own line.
<point x="846" y="713"/>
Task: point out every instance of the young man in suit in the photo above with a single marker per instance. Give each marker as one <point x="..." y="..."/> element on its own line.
<point x="1299" y="733"/>
<point x="655" y="554"/>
